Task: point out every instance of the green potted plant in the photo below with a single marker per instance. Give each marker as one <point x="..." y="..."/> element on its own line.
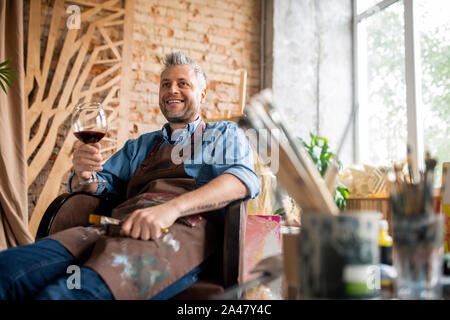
<point x="318" y="149"/>
<point x="6" y="75"/>
<point x="322" y="157"/>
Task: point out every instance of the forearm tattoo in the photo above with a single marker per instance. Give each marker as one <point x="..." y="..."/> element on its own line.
<point x="208" y="207"/>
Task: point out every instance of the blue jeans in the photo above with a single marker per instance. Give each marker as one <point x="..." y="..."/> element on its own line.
<point x="39" y="271"/>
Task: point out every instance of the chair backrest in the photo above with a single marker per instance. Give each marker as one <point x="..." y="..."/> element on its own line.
<point x="69" y="210"/>
<point x="234" y="240"/>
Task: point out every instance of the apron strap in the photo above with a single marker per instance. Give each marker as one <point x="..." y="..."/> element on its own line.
<point x="150" y="156"/>
<point x="145" y="163"/>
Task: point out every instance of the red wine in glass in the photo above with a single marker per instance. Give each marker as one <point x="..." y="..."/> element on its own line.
<point x="89" y="136"/>
<point x="89" y="125"/>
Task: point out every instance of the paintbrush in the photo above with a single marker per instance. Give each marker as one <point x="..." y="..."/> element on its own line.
<point x="409" y="161"/>
<point x="399" y="186"/>
<point x="430" y="164"/>
<point x="98" y="219"/>
<point x="413" y="199"/>
<point x="393" y="194"/>
<point x="114" y="227"/>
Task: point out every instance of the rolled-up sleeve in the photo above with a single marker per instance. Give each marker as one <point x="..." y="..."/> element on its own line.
<point x="238" y="160"/>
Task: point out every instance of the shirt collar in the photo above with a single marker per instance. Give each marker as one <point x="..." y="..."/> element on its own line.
<point x="187" y="130"/>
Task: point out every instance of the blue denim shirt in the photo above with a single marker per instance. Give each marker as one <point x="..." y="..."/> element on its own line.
<point x="224" y="149"/>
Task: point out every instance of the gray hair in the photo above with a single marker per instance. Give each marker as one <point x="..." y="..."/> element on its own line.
<point x="176" y="58"/>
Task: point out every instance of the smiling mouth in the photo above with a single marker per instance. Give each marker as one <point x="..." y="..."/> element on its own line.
<point x="171" y="101"/>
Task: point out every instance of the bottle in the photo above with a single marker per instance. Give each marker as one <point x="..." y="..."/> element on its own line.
<point x="385" y="243"/>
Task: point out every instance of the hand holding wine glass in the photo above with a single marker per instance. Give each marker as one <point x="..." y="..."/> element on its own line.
<point x="89" y="125"/>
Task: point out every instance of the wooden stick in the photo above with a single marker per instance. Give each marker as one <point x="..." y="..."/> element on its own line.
<point x="242" y="91"/>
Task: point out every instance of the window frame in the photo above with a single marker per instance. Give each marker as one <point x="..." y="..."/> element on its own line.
<point x="414" y="109"/>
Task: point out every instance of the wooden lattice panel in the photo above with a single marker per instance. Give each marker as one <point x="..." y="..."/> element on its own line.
<point x="66" y="66"/>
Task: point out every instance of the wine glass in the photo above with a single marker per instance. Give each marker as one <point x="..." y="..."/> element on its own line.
<point x="89" y="125"/>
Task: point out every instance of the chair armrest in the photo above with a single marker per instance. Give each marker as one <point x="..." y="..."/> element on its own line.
<point x="72" y="209"/>
<point x="234" y="240"/>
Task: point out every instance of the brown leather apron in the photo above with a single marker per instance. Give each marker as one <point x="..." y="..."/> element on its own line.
<point x="138" y="269"/>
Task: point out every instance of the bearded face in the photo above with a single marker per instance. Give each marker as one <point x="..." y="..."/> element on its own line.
<point x="180" y="95"/>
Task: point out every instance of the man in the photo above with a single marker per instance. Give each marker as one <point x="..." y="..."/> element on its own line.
<point x="159" y="193"/>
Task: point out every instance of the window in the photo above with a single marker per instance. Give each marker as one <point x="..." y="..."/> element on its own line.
<point x="434" y="27"/>
<point x="365" y="5"/>
<point x="387" y="119"/>
<point x="382" y="95"/>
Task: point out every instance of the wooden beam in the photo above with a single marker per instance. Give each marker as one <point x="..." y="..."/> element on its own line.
<point x="242" y="91"/>
<point x="68" y="85"/>
<point x="125" y="86"/>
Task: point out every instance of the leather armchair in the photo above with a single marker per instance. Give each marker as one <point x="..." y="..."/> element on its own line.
<point x="73" y="209"/>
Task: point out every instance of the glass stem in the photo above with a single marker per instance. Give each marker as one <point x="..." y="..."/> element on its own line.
<point x="93" y="174"/>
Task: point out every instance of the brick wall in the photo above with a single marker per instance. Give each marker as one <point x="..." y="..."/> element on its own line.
<point x="222" y="36"/>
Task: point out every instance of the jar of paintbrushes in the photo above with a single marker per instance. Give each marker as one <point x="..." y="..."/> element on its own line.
<point x="417" y="232"/>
